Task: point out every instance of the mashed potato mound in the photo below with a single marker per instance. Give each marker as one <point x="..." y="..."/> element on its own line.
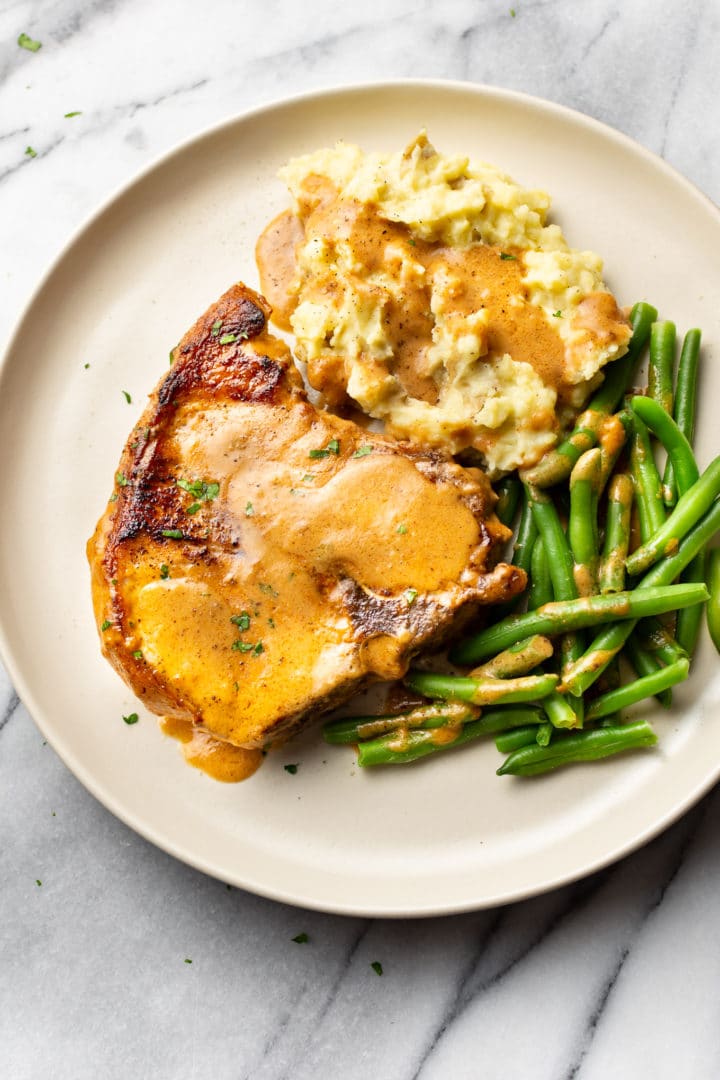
<point x="431" y="291"/>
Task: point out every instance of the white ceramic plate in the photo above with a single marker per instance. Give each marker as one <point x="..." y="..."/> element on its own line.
<point x="445" y="835"/>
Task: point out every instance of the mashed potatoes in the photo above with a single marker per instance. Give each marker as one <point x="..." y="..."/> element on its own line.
<point x="431" y="292"/>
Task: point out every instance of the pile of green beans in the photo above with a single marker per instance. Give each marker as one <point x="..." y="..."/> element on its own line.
<point x="619" y="554"/>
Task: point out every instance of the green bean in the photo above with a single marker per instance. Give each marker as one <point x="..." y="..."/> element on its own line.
<point x="511" y="740"/>
<point x="560" y="712"/>
<point x="658" y="640"/>
<point x="352" y="729"/>
<point x="611" y="575"/>
<point x="508" y="490"/>
<point x="561" y="616"/>
<point x="646" y="686"/>
<point x="406" y="745"/>
<point x="689" y="620"/>
<point x="556" y="465"/>
<point x="582" y="522"/>
<point x="522" y="549"/>
<point x="646" y="479"/>
<point x="580" y="746"/>
<point x="526" y="534"/>
<point x="645" y="663"/>
<point x="482" y="691"/>
<point x="689" y="510"/>
<point x="611" y="639"/>
<point x="712" y="613"/>
<point x="679" y="450"/>
<point x="561" y="570"/>
<point x="557" y="550"/>
<point x="684" y="411"/>
<point x="517" y="660"/>
<point x="541" y="590"/>
<point x="544" y="735"/>
<point x="661" y="364"/>
<point x="614" y="434"/>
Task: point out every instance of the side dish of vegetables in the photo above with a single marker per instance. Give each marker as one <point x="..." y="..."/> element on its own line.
<point x="619" y="575"/>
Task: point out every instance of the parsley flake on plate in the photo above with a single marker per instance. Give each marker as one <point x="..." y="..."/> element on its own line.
<point x="132" y="718"/>
<point x="377" y="967"/>
<point x="292" y="769"/>
<point x="301" y="939"/>
<point x="30" y="152"/>
<point x="26" y="42"/>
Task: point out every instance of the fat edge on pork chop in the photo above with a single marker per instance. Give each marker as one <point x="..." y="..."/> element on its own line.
<point x="260" y="561"/>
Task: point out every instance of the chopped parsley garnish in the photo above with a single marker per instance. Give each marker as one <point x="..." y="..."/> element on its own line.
<point x="193" y="509"/>
<point x="242" y="621"/>
<point x="164" y="571"/>
<point x="187" y="960"/>
<point x="132" y="718"/>
<point x="301" y="939"/>
<point x="377" y="967"/>
<point x="410" y="596"/>
<point x="227" y="339"/>
<point x="557" y="314"/>
<point x="292" y="769"/>
<point x="259" y="648"/>
<point x="512" y="12"/>
<point x="127" y="397"/>
<point x="242" y="646"/>
<point x="249" y="509"/>
<point x="216" y="327"/>
<point x="333" y="447"/>
<point x="69" y="115"/>
<point x="113" y="497"/>
<point x="172" y="534"/>
<point x="363" y="451"/>
<point x="171" y="355"/>
<point x="137" y="655"/>
<point x="29" y="152"/>
<point x="402" y="529"/>
<point x="38" y="882"/>
<point x="412" y="243"/>
<point x="86" y="366"/>
<point x="203" y="490"/>
<point x="26" y="42"/>
<point x="505" y="255"/>
<point x="267" y="589"/>
<point x="271" y="623"/>
<point x="105" y="626"/>
<point x="121" y="479"/>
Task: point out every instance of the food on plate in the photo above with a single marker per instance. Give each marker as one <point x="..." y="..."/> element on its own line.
<point x="260" y="560"/>
<point x="640" y="589"/>
<point x="430" y="291"/>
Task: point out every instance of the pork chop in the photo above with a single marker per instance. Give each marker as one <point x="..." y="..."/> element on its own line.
<point x="259" y="560"/>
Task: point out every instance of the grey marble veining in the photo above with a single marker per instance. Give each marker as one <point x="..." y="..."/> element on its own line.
<point x="615" y="976"/>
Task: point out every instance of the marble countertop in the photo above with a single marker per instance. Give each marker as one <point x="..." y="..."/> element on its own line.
<point x="118" y="961"/>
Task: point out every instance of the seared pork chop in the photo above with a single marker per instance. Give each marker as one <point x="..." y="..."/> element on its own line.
<point x="259" y="560"/>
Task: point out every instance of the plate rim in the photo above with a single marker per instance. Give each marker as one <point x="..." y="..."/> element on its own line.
<point x="297" y="897"/>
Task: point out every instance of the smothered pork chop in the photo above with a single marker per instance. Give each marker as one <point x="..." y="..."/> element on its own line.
<point x="260" y="560"/>
<point x="431" y="291"/>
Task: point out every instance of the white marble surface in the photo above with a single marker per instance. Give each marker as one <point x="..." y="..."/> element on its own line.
<point x="617" y="976"/>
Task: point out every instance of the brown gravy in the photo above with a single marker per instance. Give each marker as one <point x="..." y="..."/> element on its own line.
<point x="218" y="759"/>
